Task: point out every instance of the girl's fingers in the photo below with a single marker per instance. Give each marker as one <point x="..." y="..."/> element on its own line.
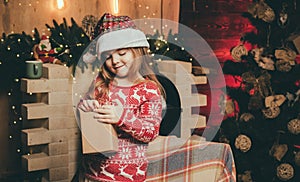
<point x="90" y="104"/>
<point x="104" y="118"/>
<point x="96" y="104"/>
<point x="103" y="110"/>
<point x="84" y="107"/>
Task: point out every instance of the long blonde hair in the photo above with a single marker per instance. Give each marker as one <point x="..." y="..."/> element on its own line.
<point x="142" y="59"/>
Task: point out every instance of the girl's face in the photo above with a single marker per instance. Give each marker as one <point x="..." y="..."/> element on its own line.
<point x="119" y="62"/>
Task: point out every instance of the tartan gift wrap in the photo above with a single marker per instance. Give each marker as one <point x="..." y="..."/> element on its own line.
<point x="176" y="160"/>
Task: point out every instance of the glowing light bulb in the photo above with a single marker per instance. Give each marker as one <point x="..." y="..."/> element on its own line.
<point x="60" y="4"/>
<point x="116" y="6"/>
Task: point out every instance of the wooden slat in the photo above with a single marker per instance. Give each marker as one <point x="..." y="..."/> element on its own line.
<point x="35" y="136"/>
<point x="44" y="85"/>
<point x="35" y="162"/>
<point x="55" y="71"/>
<point x="42" y="110"/>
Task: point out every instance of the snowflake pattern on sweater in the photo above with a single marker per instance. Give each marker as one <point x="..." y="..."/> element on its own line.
<point x="138" y="125"/>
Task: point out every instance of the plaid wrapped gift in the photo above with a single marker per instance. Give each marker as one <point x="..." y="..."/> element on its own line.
<point x="173" y="160"/>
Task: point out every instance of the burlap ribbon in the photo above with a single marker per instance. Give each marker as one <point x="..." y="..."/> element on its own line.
<point x="262" y="11"/>
<point x="260" y="84"/>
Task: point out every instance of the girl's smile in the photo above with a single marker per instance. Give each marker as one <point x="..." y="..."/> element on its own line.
<point x="119" y="62"/>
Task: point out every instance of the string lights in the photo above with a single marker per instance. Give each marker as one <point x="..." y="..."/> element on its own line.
<point x="60" y="4"/>
<point x="116" y="6"/>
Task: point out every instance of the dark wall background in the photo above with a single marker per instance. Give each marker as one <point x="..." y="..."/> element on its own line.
<point x="221" y="25"/>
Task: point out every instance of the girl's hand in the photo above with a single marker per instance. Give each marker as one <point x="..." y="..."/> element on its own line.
<point x="108" y="114"/>
<point x="88" y="105"/>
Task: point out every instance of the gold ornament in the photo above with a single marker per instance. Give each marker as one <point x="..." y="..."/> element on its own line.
<point x="286" y="54"/>
<point x="285" y="172"/>
<point x="243" y="143"/>
<point x="274" y="100"/>
<point x="246" y="117"/>
<point x="271" y="112"/>
<point x="262" y="11"/>
<point x="245" y="177"/>
<point x="294" y="126"/>
<point x="283" y="66"/>
<point x="264" y="62"/>
<point x="268" y="15"/>
<point x="283" y="16"/>
<point x="297" y="158"/>
<point x="239" y="51"/>
<point x="257" y="52"/>
<point x="285" y="59"/>
<point x="272" y="104"/>
<point x="278" y="151"/>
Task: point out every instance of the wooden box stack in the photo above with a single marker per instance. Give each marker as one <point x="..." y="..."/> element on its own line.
<point x="180" y="73"/>
<point x="50" y="124"/>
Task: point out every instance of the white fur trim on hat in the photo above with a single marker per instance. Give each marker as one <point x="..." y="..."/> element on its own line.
<point x="119" y="39"/>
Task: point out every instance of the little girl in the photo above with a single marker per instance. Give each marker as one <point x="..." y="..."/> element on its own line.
<point x="127" y="95"/>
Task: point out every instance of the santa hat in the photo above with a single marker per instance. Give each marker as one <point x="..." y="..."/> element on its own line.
<point x="116" y="32"/>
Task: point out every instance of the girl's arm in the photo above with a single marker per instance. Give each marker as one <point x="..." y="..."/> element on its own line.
<point x="144" y="125"/>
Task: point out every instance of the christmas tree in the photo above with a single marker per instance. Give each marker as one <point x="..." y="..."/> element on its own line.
<point x="262" y="103"/>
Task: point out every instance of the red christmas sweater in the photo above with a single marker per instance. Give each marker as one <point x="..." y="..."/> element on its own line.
<point x="139" y="124"/>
